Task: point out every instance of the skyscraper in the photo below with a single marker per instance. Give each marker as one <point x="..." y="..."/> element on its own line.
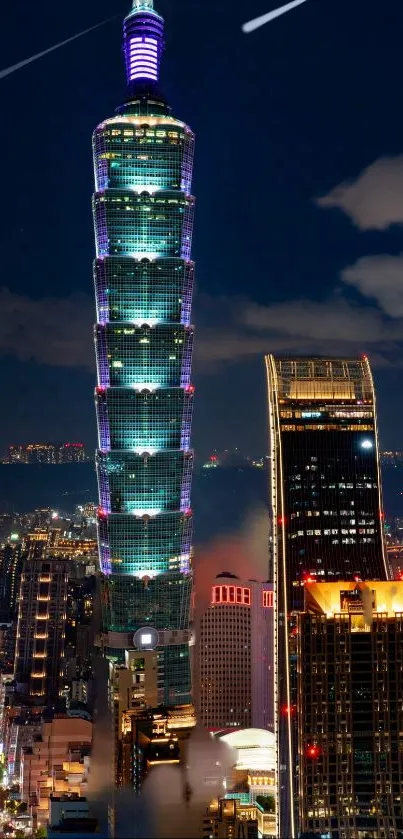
<point x="39" y="659"/>
<point x="10" y="575"/>
<point x="235" y="655"/>
<point x="350" y="712"/>
<point x="327" y="512"/>
<point x="143" y="217"/>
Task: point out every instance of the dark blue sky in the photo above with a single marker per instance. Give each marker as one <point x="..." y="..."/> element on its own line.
<point x="282" y="116"/>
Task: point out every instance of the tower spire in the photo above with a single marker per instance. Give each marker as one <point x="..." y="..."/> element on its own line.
<point x="142" y="5"/>
<point x="143" y="37"/>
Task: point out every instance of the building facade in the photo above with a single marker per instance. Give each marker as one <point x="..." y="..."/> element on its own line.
<point x="40" y="645"/>
<point x="229" y="819"/>
<point x="69" y="817"/>
<point x="327" y="512"/>
<point x="235" y="656"/>
<point x="394" y="555"/>
<point x="143" y="217"/>
<point x="10" y="575"/>
<point x="253" y="774"/>
<point x="350" y="710"/>
<point x="56" y="762"/>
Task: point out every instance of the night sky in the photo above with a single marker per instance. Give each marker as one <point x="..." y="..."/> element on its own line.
<point x="299" y="186"/>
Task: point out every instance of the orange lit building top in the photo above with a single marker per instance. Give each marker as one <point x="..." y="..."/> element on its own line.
<point x="330" y="599"/>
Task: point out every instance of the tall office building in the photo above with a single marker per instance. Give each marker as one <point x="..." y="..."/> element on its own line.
<point x="39" y="659"/>
<point x="350" y="710"/>
<point x="235" y="655"/>
<point x="143" y="217"/>
<point x="327" y="513"/>
<point x="10" y="575"/>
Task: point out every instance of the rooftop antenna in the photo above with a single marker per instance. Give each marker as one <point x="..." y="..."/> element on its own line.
<point x="143" y="30"/>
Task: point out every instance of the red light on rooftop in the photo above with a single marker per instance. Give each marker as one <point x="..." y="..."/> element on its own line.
<point x="190" y="389"/>
<point x="281" y="520"/>
<point x="100" y="389"/>
<point x="313" y="751"/>
<point x="213" y="458"/>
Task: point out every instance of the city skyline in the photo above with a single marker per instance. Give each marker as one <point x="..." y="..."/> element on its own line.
<point x="129" y="661"/>
<point x="301" y="287"/>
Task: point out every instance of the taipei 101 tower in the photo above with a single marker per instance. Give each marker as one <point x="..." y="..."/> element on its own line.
<point x="143" y="218"/>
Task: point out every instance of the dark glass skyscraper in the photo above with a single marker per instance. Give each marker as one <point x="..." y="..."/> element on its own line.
<point x="327" y="512"/>
<point x="143" y="217"/>
<point x="350" y="712"/>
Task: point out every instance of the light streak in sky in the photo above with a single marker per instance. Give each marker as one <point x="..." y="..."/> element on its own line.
<point x="14" y="67"/>
<point x="260" y="21"/>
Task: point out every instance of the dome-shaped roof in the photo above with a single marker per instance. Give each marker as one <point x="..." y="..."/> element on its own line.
<point x="256" y="748"/>
<point x="252" y="738"/>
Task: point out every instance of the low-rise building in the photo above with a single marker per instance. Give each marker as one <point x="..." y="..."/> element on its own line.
<point x="253" y="774"/>
<point x="227" y="819"/>
<point x="69" y="817"/>
<point x="57" y="762"/>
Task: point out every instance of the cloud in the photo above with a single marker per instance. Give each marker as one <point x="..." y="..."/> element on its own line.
<point x="313" y="322"/>
<point x="58" y="331"/>
<point x="379" y="277"/>
<point x="375" y="200"/>
<point x="333" y="326"/>
<point x="54" y="331"/>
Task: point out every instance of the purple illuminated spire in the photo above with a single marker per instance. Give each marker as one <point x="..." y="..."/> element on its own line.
<point x="143" y="32"/>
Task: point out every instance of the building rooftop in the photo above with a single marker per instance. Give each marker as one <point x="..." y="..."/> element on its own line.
<point x="256" y="748"/>
<point x="371" y="598"/>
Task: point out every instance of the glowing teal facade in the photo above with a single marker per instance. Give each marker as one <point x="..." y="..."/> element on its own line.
<point x="143" y="273"/>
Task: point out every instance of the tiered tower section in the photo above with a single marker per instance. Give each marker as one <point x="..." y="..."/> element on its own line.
<point x="143" y="217"/>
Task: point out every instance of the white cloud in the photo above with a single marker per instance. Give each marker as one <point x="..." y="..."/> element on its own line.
<point x="375" y="200"/>
<point x="58" y="331"/>
<point x="379" y="277"/>
<point x="332" y="327"/>
<point x="52" y="330"/>
<point x="328" y="321"/>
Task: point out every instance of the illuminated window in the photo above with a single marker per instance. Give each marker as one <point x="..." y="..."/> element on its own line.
<point x="146" y="639"/>
<point x="231" y="595"/>
<point x="267" y="599"/>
